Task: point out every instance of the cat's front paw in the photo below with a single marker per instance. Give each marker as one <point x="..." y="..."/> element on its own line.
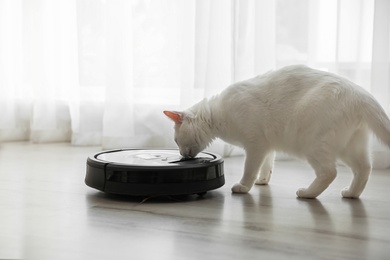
<point x="262" y="181"/>
<point x="264" y="177"/>
<point x="305" y="194"/>
<point x="346" y="193"/>
<point x="239" y="188"/>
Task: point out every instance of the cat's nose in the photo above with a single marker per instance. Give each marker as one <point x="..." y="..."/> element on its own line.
<point x="186" y="153"/>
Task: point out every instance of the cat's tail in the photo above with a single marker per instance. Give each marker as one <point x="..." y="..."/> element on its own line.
<point x="377" y="119"/>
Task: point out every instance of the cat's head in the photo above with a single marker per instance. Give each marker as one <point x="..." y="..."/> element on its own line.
<point x="192" y="133"/>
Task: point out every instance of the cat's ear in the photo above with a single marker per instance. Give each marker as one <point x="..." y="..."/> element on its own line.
<point x="177" y="117"/>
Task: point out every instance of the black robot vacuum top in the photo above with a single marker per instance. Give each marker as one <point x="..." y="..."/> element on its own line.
<point x="154" y="172"/>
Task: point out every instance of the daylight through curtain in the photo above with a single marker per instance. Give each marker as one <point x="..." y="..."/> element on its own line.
<point x="99" y="72"/>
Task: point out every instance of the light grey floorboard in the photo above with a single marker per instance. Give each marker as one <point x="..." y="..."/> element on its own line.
<point x="47" y="212"/>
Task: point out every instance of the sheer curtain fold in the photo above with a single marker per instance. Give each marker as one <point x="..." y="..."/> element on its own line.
<point x="10" y="68"/>
<point x="50" y="66"/>
<point x="254" y="38"/>
<point x="380" y="75"/>
<point x="118" y="117"/>
<point x="380" y="71"/>
<point x="97" y="72"/>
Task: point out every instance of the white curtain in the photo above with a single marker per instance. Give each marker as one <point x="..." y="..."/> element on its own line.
<point x="99" y="72"/>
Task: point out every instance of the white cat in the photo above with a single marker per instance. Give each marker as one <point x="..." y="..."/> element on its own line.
<point x="308" y="113"/>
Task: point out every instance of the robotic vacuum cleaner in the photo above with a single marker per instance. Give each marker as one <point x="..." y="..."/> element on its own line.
<point x="154" y="172"/>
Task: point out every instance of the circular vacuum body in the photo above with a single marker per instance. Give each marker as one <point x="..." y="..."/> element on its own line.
<point x="154" y="172"/>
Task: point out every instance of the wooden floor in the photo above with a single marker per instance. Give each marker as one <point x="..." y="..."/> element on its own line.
<point x="47" y="212"/>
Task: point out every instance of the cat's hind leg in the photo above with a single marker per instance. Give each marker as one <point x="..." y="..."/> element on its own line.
<point x="253" y="160"/>
<point x="325" y="170"/>
<point x="357" y="156"/>
<point x="266" y="169"/>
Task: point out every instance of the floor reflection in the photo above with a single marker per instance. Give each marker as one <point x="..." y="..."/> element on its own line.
<point x="359" y="225"/>
<point x="320" y="215"/>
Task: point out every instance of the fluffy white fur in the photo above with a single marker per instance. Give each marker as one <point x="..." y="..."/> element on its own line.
<point x="308" y="113"/>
